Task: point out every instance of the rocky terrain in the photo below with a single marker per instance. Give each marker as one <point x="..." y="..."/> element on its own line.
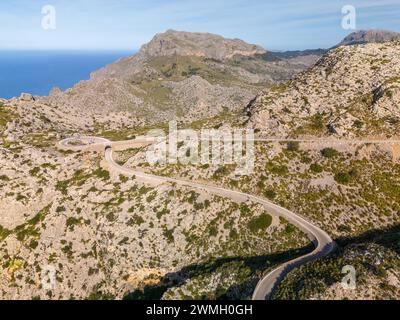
<point x="110" y="237"/>
<point x="353" y="91"/>
<point x="375" y="256"/>
<point x="354" y="186"/>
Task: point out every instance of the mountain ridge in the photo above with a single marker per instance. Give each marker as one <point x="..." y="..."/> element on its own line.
<point x="369" y="36"/>
<point x="214" y="74"/>
<point x="206" y="45"/>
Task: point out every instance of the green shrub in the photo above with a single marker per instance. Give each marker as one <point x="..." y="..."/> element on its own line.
<point x="111" y="217"/>
<point x="329" y="152"/>
<point x="60" y="209"/>
<point x="270" y="194"/>
<point x="244" y="209"/>
<point x="317" y="122"/>
<point x="358" y="124"/>
<point x="169" y="235"/>
<point x="289" y="229"/>
<point x="29" y="228"/>
<point x="4" y="178"/>
<point x="33" y="244"/>
<point x="34" y="172"/>
<point x="135" y="220"/>
<point x="342" y="177"/>
<point x="260" y="223"/>
<point x="20" y="197"/>
<point x="67" y="249"/>
<point x="151" y="197"/>
<point x="62" y="186"/>
<point x="281" y="170"/>
<point x="221" y="171"/>
<point x="213" y="231"/>
<point x="72" y="222"/>
<point x="293" y="146"/>
<point x="306" y="159"/>
<point x="99" y="295"/>
<point x="233" y="234"/>
<point x="344" y="228"/>
<point x="4" y="233"/>
<point x="316" y="168"/>
<point x="102" y="174"/>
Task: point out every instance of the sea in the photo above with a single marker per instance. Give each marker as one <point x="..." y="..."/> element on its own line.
<point x="37" y="72"/>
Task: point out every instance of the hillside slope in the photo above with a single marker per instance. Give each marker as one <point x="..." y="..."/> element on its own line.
<point x="351" y="91"/>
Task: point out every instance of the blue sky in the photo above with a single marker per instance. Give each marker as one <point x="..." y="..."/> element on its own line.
<point x="127" y="24"/>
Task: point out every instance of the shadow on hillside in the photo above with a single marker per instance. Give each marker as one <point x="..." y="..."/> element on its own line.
<point x="256" y="264"/>
<point x="305" y="284"/>
<point x="388" y="237"/>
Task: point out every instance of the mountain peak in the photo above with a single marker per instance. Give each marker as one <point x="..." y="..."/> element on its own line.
<point x="370" y="36"/>
<point x="181" y="43"/>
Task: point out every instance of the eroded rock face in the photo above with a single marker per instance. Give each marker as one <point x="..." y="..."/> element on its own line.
<point x="351" y="91"/>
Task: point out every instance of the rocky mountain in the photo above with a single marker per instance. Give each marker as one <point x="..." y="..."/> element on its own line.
<point x="214" y="73"/>
<point x="369" y="36"/>
<point x="351" y="91"/>
<point x="211" y="73"/>
<point x="358" y="37"/>
<point x="205" y="45"/>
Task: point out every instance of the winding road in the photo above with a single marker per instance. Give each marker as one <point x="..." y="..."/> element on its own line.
<point x="322" y="241"/>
